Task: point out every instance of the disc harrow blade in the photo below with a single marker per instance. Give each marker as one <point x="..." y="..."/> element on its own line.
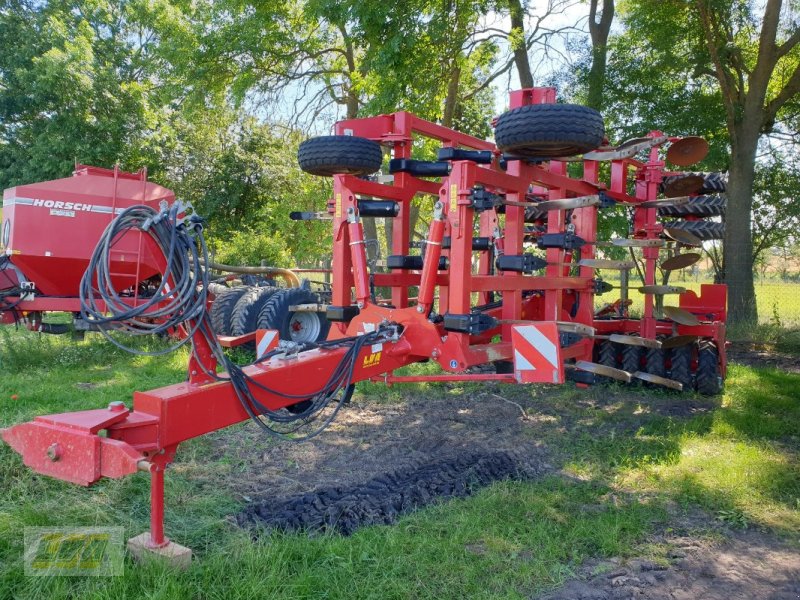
<point x="682" y="236"/>
<point x="680" y="261"/>
<point x="676" y="341"/>
<point x="634" y="340"/>
<point x="683" y="317"/>
<point x="650" y="378"/>
<point x="597" y="369"/>
<point x="687" y="151"/>
<point x="603" y="263"/>
<point x="660" y="290"/>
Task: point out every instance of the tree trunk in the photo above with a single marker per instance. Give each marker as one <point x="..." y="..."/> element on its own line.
<point x="599" y="30"/>
<point x="519" y="44"/>
<point x="738" y="248"/>
<point x="452" y="96"/>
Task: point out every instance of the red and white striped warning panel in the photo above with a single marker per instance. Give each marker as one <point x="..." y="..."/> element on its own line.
<point x="537" y="353"/>
<point x="266" y="341"/>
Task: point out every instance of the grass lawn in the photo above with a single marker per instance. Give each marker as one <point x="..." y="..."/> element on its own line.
<point x="615" y="485"/>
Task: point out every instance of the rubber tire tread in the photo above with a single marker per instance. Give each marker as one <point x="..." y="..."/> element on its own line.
<point x="707" y="377"/>
<point x="549" y="130"/>
<point x="714" y="183"/>
<point x="681" y="369"/>
<point x="275" y="313"/>
<point x="245" y="313"/>
<point x="221" y="312"/>
<point x="705" y="230"/>
<point x="699" y="206"/>
<point x="631" y="358"/>
<point x="382" y="499"/>
<point x="339" y="155"/>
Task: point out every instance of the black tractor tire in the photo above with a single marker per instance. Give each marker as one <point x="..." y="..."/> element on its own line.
<point x="681" y="369"/>
<point x="540" y="131"/>
<point x="699" y="206"/>
<point x="534" y="214"/>
<point x="630" y="358"/>
<point x="339" y="155"/>
<point x="708" y="379"/>
<point x="654" y="362"/>
<point x="606" y="354"/>
<point x="245" y="313"/>
<point x="714" y="183"/>
<point x="292" y="326"/>
<point x="221" y="312"/>
<point x="705" y="230"/>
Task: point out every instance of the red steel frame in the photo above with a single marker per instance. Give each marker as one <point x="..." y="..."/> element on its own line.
<point x="68" y="446"/>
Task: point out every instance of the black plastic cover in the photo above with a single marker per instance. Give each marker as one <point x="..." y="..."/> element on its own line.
<point x="473" y="323"/>
<point x="520" y="263"/>
<point x="387" y="209"/>
<point x="567" y="241"/>
<point x="419" y="168"/>
<point x="478" y="243"/>
<point x="412" y="263"/>
<point x="341" y="314"/>
<point x="483" y="157"/>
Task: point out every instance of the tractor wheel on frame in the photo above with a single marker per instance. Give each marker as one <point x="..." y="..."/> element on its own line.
<point x="245" y="313"/>
<point x="631" y="358"/>
<point x="681" y="369"/>
<point x="294" y="326"/>
<point x="699" y="206"/>
<point x="339" y="155"/>
<point x="221" y="312"/>
<point x="654" y="364"/>
<point x="539" y="131"/>
<point x="607" y="356"/>
<point x="708" y="380"/>
<point x="705" y="230"/>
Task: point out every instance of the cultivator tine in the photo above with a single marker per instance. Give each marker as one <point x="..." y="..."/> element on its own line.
<point x="682" y="236"/>
<point x="576" y="328"/>
<point x="676" y="341"/>
<point x="680" y="316"/>
<point x="597" y="369"/>
<point x="627" y="149"/>
<point x="680" y="261"/>
<point x="602" y="263"/>
<point x="650" y="378"/>
<point x="633" y="243"/>
<point x="565" y="204"/>
<point x="634" y="340"/>
<point x="687" y="151"/>
<point x="660" y="290"/>
<point x="678" y="201"/>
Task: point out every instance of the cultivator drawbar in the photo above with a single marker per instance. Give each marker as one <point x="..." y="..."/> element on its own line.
<point x="502" y="287"/>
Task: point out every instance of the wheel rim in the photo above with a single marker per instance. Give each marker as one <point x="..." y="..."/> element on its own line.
<point x="304" y="327"/>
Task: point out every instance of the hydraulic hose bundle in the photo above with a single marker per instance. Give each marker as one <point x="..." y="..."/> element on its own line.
<point x="180" y="301"/>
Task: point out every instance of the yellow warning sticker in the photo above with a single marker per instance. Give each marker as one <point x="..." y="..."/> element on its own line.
<point x="453" y="197"/>
<point x="338" y="214"/>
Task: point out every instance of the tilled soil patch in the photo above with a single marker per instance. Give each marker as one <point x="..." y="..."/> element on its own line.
<point x="382" y="499"/>
<point x="746" y="566"/>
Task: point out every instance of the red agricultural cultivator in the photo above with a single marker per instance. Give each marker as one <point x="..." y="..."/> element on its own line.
<point x="502" y="288"/>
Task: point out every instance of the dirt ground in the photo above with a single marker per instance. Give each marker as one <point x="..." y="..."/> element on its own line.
<point x="372" y="437"/>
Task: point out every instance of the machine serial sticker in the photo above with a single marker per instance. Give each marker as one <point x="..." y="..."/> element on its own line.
<point x="453" y="197"/>
<point x="338" y="206"/>
<point x="57" y="212"/>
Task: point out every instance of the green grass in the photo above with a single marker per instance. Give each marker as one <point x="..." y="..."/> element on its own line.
<point x="511" y="540"/>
